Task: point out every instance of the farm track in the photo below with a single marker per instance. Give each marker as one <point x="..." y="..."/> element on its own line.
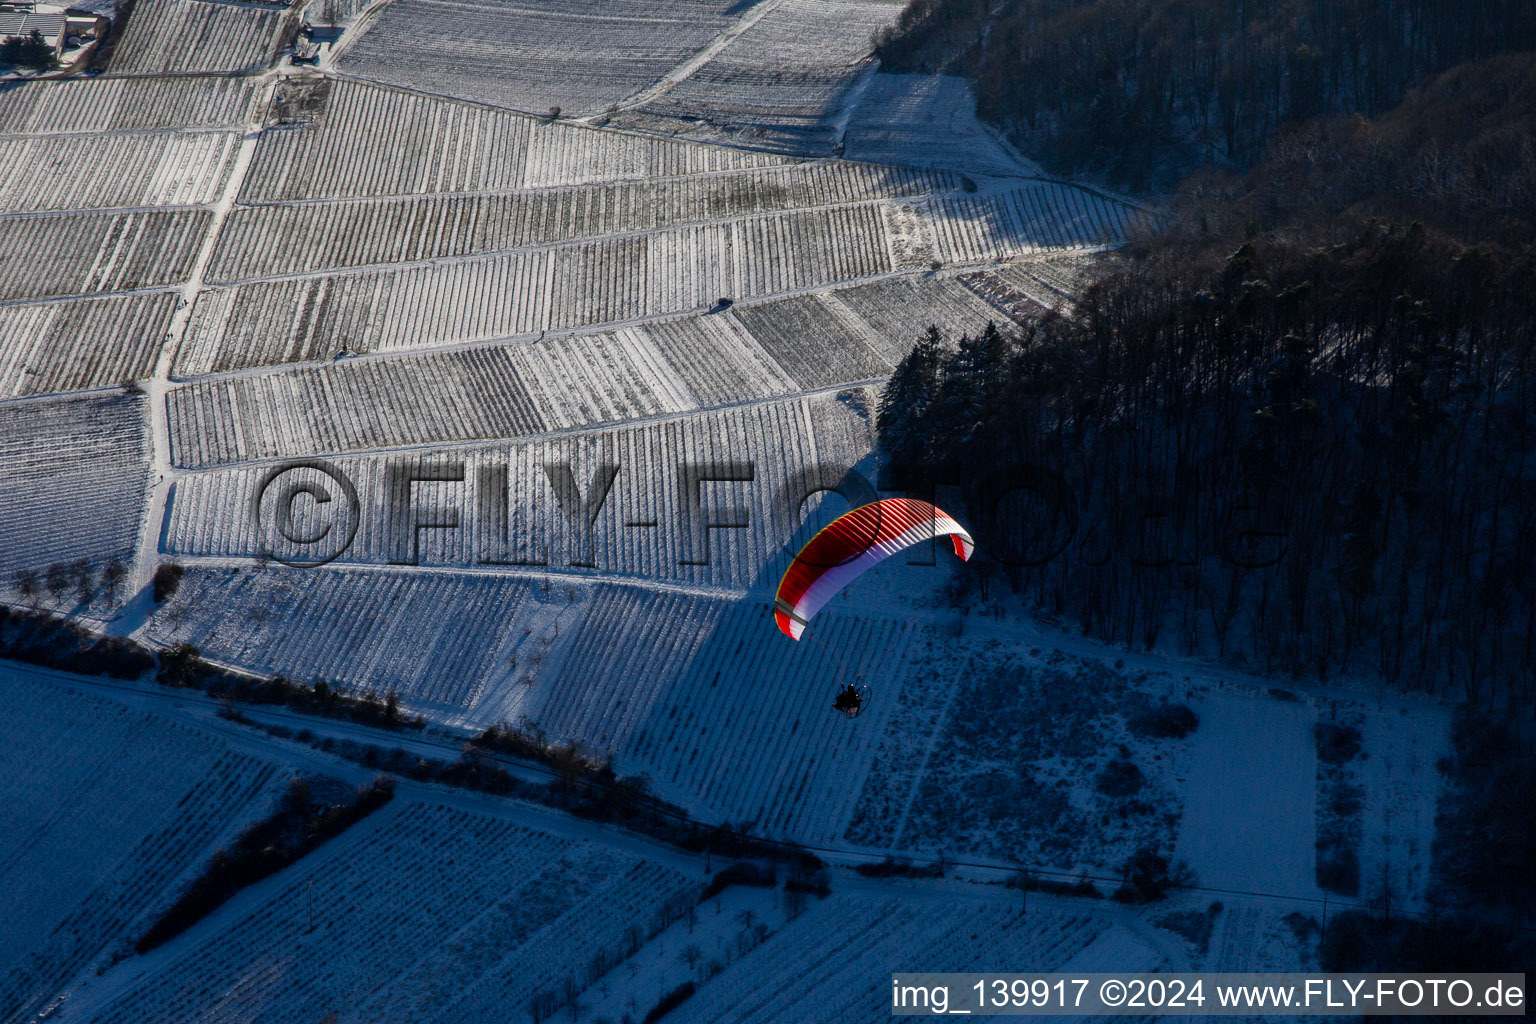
<point x="146" y="557"/>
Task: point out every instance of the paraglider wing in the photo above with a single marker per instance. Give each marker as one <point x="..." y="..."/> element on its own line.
<point x="852" y="543"/>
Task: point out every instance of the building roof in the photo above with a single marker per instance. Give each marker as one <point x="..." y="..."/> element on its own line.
<point x="13" y="23"/>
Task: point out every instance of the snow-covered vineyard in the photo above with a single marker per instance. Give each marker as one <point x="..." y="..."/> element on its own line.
<point x="95" y="840"/>
<point x="646" y="527"/>
<point x="199" y="36"/>
<point x="81" y="344"/>
<point x="440" y="907"/>
<point x="579" y="56"/>
<point x="96" y="253"/>
<point x="677" y="298"/>
<point x="505" y="909"/>
<point x="787" y="81"/>
<point x="75" y="472"/>
<point x="69" y="106"/>
<point x="154" y="169"/>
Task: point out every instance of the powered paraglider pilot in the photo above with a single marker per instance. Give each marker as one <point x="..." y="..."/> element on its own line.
<point x="850" y="701"/>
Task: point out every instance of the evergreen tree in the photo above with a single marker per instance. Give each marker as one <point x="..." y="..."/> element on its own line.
<point x="29" y="51"/>
<point x="974" y="382"/>
<point x="907" y="403"/>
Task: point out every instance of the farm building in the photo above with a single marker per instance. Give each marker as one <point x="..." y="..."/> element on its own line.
<point x="52" y="27"/>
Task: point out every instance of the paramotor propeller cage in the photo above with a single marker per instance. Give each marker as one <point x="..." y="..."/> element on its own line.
<point x="851" y="706"/>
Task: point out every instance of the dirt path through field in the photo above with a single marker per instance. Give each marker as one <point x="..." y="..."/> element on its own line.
<point x="162" y="471"/>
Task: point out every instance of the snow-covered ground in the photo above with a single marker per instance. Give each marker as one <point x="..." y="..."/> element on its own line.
<point x="108" y="810"/>
<point x="1249" y="819"/>
<point x="443" y="905"/>
<point x="402" y="259"/>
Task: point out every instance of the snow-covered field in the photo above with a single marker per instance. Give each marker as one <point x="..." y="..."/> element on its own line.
<point x="74" y="171"/>
<point x="835" y="961"/>
<point x="787" y="82"/>
<point x="1262" y="753"/>
<point x="66" y="106"/>
<point x="75" y="472"/>
<point x="425" y="912"/>
<point x="923" y="119"/>
<point x="166" y="36"/>
<point x="80" y="344"/>
<point x="96" y="253"/>
<point x="400" y="260"/>
<point x="578" y="55"/>
<point x="107" y="810"/>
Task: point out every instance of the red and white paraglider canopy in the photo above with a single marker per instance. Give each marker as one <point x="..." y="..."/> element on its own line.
<point x="852" y="543"/>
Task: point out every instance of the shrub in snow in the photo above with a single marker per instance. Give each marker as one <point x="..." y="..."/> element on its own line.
<point x="1149" y="876"/>
<point x="166" y="580"/>
<point x="1194" y="926"/>
<point x="740" y="873"/>
<point x="1119" y="779"/>
<point x="300" y="823"/>
<point x="1336" y="744"/>
<point x="891" y="867"/>
<point x="1165" y="721"/>
<point x="1338" y="865"/>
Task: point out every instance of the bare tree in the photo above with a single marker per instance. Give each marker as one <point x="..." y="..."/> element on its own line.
<point x="85" y="580"/>
<point x="112" y="576"/>
<point x="27" y="586"/>
<point x="691" y="955"/>
<point x="57" y="581"/>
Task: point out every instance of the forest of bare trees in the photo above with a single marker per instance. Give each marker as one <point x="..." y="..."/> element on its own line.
<point x="1295" y="429"/>
<point x="1311" y="460"/>
<point x="1138" y="92"/>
